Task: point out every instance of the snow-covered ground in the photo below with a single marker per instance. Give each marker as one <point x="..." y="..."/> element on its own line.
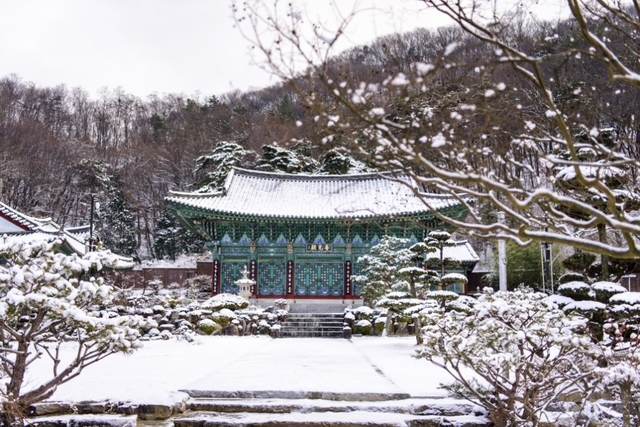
<point x="157" y="372"/>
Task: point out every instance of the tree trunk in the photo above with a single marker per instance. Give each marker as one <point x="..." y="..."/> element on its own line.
<point x="418" y="330"/>
<point x="604" y="260"/>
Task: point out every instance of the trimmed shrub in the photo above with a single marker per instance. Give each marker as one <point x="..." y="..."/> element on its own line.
<point x="208" y="326"/>
<point x="363" y="327"/>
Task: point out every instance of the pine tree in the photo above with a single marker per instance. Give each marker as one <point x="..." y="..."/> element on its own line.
<point x="335" y="162"/>
<point x="172" y="239"/>
<point x="382" y="271"/>
<point x="216" y="166"/>
<point x="296" y="160"/>
<point x="119" y="228"/>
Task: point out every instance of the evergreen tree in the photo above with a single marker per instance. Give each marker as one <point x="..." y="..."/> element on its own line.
<point x="594" y="150"/>
<point x="296" y="160"/>
<point x="118" y="222"/>
<point x="216" y="166"/>
<point x="436" y="241"/>
<point x="166" y="241"/>
<point x="335" y="162"/>
<point x="171" y="238"/>
<point x="384" y="269"/>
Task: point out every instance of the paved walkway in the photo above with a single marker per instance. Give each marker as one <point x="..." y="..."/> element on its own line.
<point x="161" y="368"/>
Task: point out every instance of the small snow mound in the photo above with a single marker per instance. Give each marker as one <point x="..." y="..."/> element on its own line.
<point x="626" y="298"/>
<point x="573" y="286"/>
<point x="585" y="306"/>
<point x="559" y="300"/>
<point x="608" y="286"/>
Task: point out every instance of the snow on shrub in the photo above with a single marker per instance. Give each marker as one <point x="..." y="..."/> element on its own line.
<point x="48" y="298"/>
<point x="223" y="317"/>
<point x="362" y="327"/>
<point x="577" y="291"/>
<point x="519" y="351"/>
<point x="229" y="301"/>
<point x="208" y="326"/>
<point x="605" y="290"/>
<point x="452" y="278"/>
<point x="630" y="298"/>
<point x="363" y="312"/>
<point x="560" y="300"/>
<point x="442" y="297"/>
<point x="585" y="306"/>
<point x="571" y="277"/>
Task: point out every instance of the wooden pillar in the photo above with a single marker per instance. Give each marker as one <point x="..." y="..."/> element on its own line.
<point x="253" y="275"/>
<point x="215" y="278"/>
<point x="290" y="276"/>
<point x="347" y="279"/>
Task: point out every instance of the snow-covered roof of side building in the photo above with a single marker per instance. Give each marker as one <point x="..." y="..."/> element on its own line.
<point x="462" y="251"/>
<point x="13" y="221"/>
<point x="23" y="227"/>
<point x="281" y="195"/>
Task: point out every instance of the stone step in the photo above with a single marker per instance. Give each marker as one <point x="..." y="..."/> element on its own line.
<point x="325" y="419"/>
<point x="441" y="407"/>
<point x="322" y="326"/>
<point x="303" y="334"/>
<point x="75" y="420"/>
<point x="314" y="317"/>
<point x="275" y="408"/>
<point x="299" y="395"/>
<point x="303" y="325"/>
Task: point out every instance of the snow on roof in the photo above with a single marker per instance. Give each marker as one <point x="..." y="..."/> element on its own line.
<point x="44" y="228"/>
<point x="462" y="251"/>
<point x="27" y="222"/>
<point x="284" y="195"/>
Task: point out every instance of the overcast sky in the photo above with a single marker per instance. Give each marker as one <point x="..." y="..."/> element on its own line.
<point x="161" y="46"/>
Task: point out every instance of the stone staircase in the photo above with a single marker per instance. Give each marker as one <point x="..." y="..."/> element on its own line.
<point x="273" y="408"/>
<point x="328" y="410"/>
<point x="317" y="325"/>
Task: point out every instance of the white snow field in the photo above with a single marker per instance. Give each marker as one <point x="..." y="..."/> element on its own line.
<point x="160" y="369"/>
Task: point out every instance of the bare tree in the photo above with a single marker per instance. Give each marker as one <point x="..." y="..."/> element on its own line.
<point x="493" y="119"/>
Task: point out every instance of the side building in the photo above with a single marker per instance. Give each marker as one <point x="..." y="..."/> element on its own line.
<point x="300" y="236"/>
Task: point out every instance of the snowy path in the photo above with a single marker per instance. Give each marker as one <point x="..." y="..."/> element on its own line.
<point x="156" y="372"/>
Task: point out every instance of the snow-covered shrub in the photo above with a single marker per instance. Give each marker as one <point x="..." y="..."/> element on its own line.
<point x="605" y="290"/>
<point x="363" y="312"/>
<point x="223" y="317"/>
<point x="264" y="327"/>
<point x="519" y="352"/>
<point x="378" y="325"/>
<point x="228" y="301"/>
<point x="362" y="327"/>
<point x="577" y="291"/>
<point x="453" y="278"/>
<point x="571" y="277"/>
<point x="349" y="318"/>
<point x="208" y="326"/>
<point x="281" y="304"/>
<point x="47" y="298"/>
<point x="442" y="297"/>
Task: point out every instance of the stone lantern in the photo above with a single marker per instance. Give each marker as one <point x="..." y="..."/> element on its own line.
<point x="244" y="284"/>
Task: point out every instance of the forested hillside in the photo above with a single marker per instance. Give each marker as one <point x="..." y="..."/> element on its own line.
<point x="59" y="145"/>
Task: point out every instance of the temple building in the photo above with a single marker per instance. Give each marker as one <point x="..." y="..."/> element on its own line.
<point x="300" y="236"/>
